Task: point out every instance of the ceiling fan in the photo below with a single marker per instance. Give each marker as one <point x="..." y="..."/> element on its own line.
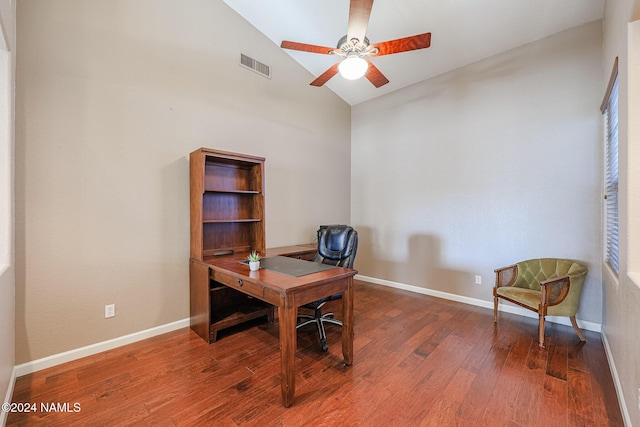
<point x="355" y="49"/>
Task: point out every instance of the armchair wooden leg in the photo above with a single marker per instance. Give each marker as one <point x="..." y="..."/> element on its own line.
<point x="495" y="309"/>
<point x="577" y="329"/>
<point x="541" y="332"/>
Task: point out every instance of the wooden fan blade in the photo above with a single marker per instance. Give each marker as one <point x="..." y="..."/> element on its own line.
<point x="419" y="41"/>
<point x="359" y="13"/>
<point x="375" y="76"/>
<point x="326" y="76"/>
<point x="306" y="47"/>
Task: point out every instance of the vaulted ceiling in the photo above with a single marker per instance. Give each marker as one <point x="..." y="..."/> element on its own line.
<point x="463" y="32"/>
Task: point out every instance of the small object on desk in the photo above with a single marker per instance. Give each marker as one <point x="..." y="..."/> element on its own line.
<point x="254" y="261"/>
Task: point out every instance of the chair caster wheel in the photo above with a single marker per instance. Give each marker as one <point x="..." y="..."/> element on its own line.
<point x="325" y="347"/>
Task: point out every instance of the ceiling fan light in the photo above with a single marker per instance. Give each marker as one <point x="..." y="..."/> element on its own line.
<point x="353" y="67"/>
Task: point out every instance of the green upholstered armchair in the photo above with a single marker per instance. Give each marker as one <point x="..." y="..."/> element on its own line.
<point x="547" y="286"/>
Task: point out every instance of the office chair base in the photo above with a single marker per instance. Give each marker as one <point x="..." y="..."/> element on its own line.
<point x="319" y="320"/>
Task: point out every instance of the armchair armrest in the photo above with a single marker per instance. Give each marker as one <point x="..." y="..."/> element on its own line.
<point x="506" y="276"/>
<point x="554" y="291"/>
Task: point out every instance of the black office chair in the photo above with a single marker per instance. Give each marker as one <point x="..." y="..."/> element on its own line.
<point x="337" y="245"/>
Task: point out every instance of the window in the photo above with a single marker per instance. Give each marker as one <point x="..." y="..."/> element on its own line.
<point x="610" y="111"/>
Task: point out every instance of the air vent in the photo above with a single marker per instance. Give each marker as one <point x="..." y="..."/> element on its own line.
<point x="256" y="66"/>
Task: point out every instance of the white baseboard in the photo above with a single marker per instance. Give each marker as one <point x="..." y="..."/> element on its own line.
<point x="68" y="356"/>
<point x="616" y="379"/>
<point x="507" y="308"/>
<point x="7" y="398"/>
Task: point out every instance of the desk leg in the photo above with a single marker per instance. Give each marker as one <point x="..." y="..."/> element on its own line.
<point x="288" y="344"/>
<point x="347" y="323"/>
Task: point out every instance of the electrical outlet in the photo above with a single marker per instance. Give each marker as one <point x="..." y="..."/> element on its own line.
<point x="109" y="311"/>
<point x="478" y="279"/>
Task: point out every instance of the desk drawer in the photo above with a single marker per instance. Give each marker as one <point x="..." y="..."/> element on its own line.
<point x="242" y="285"/>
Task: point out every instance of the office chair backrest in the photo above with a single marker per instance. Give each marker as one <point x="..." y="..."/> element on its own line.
<point x="337" y="245"/>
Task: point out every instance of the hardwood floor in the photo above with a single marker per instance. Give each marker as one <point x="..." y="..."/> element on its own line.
<point x="419" y="361"/>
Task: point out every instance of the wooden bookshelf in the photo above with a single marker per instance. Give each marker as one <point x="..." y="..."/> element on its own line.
<point x="227" y="217"/>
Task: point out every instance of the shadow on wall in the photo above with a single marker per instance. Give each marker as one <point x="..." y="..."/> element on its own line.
<point x="423" y="267"/>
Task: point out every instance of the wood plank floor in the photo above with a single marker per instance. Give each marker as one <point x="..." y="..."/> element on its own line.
<point x="419" y="361"/>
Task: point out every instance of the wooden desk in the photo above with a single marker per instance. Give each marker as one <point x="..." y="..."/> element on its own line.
<point x="287" y="293"/>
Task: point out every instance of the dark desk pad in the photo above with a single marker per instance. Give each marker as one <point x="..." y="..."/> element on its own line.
<point x="292" y="266"/>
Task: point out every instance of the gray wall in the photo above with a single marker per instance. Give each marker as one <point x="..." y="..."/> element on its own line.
<point x="484" y="166"/>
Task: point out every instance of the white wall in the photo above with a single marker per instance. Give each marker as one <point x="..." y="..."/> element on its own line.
<point x="111" y="97"/>
<point x="484" y="166"/>
<point x="7" y="268"/>
<point x="622" y="293"/>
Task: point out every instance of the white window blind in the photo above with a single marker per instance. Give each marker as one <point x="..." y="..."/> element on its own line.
<point x="611" y="174"/>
